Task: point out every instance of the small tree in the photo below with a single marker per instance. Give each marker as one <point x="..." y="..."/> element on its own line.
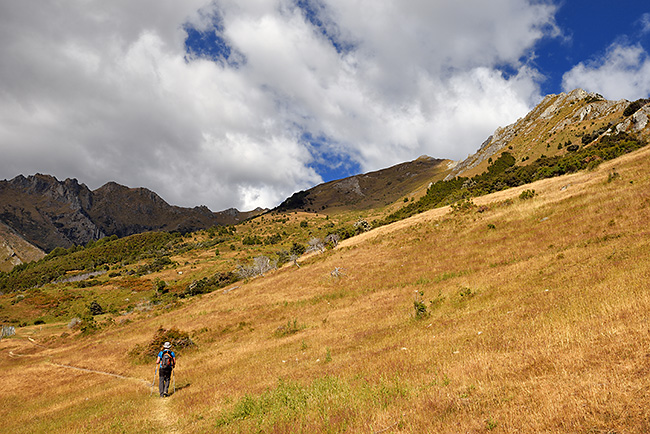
<point x="297" y="249"/>
<point x="160" y="286"/>
<point x="361" y="226"/>
<point x="316" y="244"/>
<point x="95" y="308"/>
<point x="332" y="240"/>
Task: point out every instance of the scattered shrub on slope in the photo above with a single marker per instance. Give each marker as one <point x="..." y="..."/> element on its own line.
<point x="99" y="254"/>
<point x="180" y="341"/>
<point x="503" y="174"/>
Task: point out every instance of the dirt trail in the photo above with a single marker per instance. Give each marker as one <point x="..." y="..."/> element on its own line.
<point x="102" y="373"/>
<point x="163" y="413"/>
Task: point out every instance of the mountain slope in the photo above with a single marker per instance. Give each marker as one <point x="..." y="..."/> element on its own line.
<point x="14" y="250"/>
<point x="533" y="318"/>
<point x="49" y="213"/>
<point x="370" y="190"/>
<point x="555" y="125"/>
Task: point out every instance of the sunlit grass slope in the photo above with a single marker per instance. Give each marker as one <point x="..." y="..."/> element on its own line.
<point x="533" y="318"/>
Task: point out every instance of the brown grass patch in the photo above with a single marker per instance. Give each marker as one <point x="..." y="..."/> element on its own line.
<point x="539" y="324"/>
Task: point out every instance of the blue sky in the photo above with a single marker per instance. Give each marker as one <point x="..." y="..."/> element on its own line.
<point x="590" y="29"/>
<point x="231" y="103"/>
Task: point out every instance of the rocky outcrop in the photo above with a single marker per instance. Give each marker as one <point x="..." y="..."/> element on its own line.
<point x="559" y="116"/>
<point x="14" y="250"/>
<point x="349" y="186"/>
<point x="636" y="123"/>
<point x="48" y="213"/>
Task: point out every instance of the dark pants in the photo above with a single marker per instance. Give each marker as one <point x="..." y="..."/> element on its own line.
<point x="163" y="381"/>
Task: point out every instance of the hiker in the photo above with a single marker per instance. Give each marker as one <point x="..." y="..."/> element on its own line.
<point x="166" y="361"/>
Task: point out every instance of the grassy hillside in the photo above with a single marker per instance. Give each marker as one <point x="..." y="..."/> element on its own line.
<point x="370" y="191"/>
<point x="522" y="311"/>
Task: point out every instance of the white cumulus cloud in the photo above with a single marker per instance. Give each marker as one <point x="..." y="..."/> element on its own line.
<point x="623" y="72"/>
<point x="107" y="91"/>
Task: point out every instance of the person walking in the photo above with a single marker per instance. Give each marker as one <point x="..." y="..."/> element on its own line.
<point x="165" y="362"/>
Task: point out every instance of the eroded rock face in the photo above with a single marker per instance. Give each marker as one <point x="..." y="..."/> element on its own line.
<point x="637" y="123"/>
<point x="349" y="186"/>
<point x="48" y="213"/>
<point x="554" y="115"/>
<point x="14" y="250"/>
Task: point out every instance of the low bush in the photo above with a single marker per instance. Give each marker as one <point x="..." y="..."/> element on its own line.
<point x="527" y="194"/>
<point x="290" y="328"/>
<point x="209" y="284"/>
<point x="95" y="308"/>
<point x="147" y="353"/>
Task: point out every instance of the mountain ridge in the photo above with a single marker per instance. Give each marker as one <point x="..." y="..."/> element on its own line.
<point x="48" y="213"/>
<point x="557" y="120"/>
<point x="368" y="190"/>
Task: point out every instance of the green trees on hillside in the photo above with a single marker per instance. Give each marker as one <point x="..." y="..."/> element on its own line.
<point x="99" y="255"/>
<point x="503" y="173"/>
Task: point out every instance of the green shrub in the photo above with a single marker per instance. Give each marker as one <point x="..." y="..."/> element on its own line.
<point x="635" y="106"/>
<point x="146" y="353"/>
<point x="419" y="306"/>
<point x="88" y="325"/>
<point x="527" y="194"/>
<point x="209" y="284"/>
<point x="160" y="286"/>
<point x="95" y="308"/>
<point x="251" y="240"/>
<point x="290" y="328"/>
<point x="297" y="249"/>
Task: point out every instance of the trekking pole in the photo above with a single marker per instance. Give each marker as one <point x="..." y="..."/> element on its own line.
<point x="153" y="382"/>
<point x="174" y="380"/>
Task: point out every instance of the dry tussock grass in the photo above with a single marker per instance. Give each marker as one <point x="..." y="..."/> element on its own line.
<point x="537" y="324"/>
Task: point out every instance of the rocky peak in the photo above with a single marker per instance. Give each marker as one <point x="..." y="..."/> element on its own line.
<point x="50" y="213"/>
<point x="568" y="115"/>
<point x="46" y="186"/>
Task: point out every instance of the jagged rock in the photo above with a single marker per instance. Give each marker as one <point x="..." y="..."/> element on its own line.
<point x="553" y="115"/>
<point x="636" y="123"/>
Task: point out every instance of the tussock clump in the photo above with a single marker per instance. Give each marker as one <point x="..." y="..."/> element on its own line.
<point x="146" y="353"/>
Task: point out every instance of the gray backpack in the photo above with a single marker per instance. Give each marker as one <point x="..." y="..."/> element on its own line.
<point x="166" y="361"/>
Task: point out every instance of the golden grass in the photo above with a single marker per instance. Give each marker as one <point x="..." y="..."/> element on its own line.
<point x="537" y="323"/>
